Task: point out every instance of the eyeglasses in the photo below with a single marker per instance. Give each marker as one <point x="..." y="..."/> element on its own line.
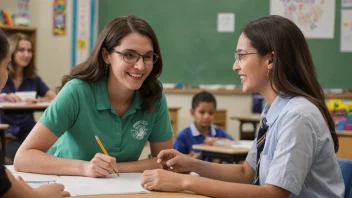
<point x="133" y="57"/>
<point x="238" y="57"/>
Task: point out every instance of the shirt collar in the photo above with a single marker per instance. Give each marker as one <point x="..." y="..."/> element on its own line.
<point x="272" y="112"/>
<point x="195" y="132"/>
<point x="102" y="101"/>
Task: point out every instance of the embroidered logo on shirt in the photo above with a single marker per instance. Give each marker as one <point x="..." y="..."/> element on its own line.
<point x="140" y="129"/>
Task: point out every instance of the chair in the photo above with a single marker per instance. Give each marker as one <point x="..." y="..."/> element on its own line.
<point x="346" y="169"/>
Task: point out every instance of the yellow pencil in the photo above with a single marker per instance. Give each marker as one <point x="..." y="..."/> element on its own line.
<point x="104" y="151"/>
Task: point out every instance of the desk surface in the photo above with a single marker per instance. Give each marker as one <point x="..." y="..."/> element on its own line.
<point x="246" y="118"/>
<point x="22" y="106"/>
<point x="344" y="133"/>
<point x="220" y="149"/>
<point x="148" y="195"/>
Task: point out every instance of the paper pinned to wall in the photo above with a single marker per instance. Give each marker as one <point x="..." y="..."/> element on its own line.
<point x="226" y="22"/>
<point x="346" y="31"/>
<point x="126" y="183"/>
<point x="315" y="18"/>
<point x="346" y="3"/>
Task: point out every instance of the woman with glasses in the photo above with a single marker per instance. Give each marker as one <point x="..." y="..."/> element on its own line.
<point x="294" y="153"/>
<point x="22" y="78"/>
<point x="115" y="95"/>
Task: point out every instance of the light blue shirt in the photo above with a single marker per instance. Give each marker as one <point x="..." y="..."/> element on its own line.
<point x="299" y="152"/>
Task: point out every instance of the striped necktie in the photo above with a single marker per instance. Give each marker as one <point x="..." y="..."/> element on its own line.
<point x="260" y="145"/>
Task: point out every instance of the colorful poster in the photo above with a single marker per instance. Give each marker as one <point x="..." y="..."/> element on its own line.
<point x="346" y="3"/>
<point x="315" y="18"/>
<point x="22" y="13"/>
<point x="84" y="29"/>
<point x="59" y="17"/>
<point x="346" y="31"/>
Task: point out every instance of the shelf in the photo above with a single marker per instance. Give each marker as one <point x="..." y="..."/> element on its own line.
<point x="17" y="28"/>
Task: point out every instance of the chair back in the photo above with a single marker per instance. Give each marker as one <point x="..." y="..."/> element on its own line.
<point x="346" y="169"/>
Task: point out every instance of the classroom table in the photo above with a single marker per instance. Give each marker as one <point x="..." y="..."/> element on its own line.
<point x="3" y="127"/>
<point x="254" y="120"/>
<point x="149" y="195"/>
<point x="224" y="153"/>
<point x="345" y="142"/>
<point x="6" y="106"/>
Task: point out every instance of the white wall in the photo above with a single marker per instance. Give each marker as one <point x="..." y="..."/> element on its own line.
<point x="53" y="53"/>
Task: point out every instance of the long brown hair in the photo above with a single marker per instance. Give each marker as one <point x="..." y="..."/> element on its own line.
<point x="29" y="72"/>
<point x="94" y="68"/>
<point x="293" y="72"/>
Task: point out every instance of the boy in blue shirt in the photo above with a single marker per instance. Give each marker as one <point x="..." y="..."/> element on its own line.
<point x="202" y="130"/>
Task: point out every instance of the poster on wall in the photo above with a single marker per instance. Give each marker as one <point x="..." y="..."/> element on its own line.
<point x="315" y="18"/>
<point x="346" y="31"/>
<point x="83" y="30"/>
<point x="346" y="3"/>
<point x="59" y="17"/>
<point x="22" y="13"/>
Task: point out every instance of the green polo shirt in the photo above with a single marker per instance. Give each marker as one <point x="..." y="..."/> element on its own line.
<point x="82" y="110"/>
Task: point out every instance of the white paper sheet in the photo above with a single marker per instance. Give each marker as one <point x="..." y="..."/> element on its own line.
<point x="126" y="183"/>
<point x="316" y="18"/>
<point x="346" y="31"/>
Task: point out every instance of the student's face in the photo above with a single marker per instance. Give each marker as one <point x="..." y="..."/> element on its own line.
<point x="131" y="76"/>
<point x="204" y="114"/>
<point x="251" y="68"/>
<point x="3" y="70"/>
<point x="23" y="54"/>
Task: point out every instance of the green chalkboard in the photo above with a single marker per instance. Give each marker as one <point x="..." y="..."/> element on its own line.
<point x="195" y="53"/>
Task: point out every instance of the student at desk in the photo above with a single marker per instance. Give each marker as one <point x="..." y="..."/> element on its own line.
<point x="22" y="77"/>
<point x="294" y="153"/>
<point x="202" y="130"/>
<point x="116" y="95"/>
<point x="9" y="186"/>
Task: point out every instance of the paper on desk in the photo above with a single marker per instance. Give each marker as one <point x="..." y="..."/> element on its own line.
<point x="239" y="144"/>
<point x="35" y="180"/>
<point x="126" y="183"/>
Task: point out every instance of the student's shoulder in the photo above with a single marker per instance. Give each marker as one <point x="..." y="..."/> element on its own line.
<point x="302" y="106"/>
<point x="77" y="84"/>
<point x="185" y="132"/>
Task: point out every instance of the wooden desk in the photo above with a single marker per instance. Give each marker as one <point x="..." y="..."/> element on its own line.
<point x="220" y="119"/>
<point x="224" y="153"/>
<point x="23" y="106"/>
<point x="345" y="140"/>
<point x="173" y="111"/>
<point x="247" y="135"/>
<point x="149" y="195"/>
<point x="3" y="127"/>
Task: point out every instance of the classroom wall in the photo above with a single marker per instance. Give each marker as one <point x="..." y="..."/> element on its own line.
<point x="53" y="53"/>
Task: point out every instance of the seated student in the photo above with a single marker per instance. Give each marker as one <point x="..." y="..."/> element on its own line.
<point x="116" y="95"/>
<point x="202" y="130"/>
<point x="9" y="186"/>
<point x="22" y="77"/>
<point x="294" y="153"/>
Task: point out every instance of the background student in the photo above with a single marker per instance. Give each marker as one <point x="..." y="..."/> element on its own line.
<point x="116" y="95"/>
<point x="10" y="187"/>
<point x="294" y="154"/>
<point x="202" y="130"/>
<point x="22" y="77"/>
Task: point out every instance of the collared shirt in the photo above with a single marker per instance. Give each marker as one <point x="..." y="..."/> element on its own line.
<point x="299" y="151"/>
<point x="191" y="135"/>
<point x="22" y="122"/>
<point x="83" y="110"/>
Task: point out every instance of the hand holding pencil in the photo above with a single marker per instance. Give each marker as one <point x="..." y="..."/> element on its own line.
<point x="101" y="165"/>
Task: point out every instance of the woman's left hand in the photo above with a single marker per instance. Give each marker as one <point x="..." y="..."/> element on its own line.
<point x="159" y="179"/>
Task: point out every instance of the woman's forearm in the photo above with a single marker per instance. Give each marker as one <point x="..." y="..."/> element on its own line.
<point x="224" y="172"/>
<point x="36" y="161"/>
